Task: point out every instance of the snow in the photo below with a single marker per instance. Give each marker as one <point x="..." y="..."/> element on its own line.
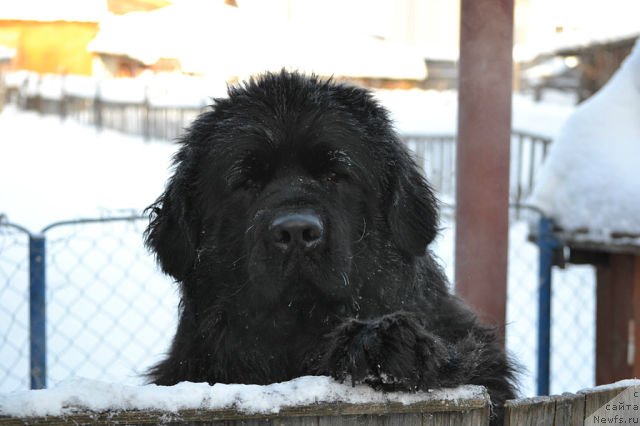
<point x="622" y="384"/>
<point x="60" y="10"/>
<point x="6" y="53"/>
<point x="48" y="175"/>
<point x="160" y="90"/>
<point x="590" y="183"/>
<point x="418" y="112"/>
<point x="408" y="107"/>
<point x="89" y="395"/>
<point x="294" y="47"/>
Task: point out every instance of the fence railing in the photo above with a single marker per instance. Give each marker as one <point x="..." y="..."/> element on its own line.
<point x="85" y="298"/>
<point x="145" y="116"/>
<point x="437" y="156"/>
<point x="75" y="290"/>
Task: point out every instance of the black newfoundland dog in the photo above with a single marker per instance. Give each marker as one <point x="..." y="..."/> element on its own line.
<point x="297" y="226"/>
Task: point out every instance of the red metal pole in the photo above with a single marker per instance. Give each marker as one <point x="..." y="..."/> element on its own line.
<point x="484" y="135"/>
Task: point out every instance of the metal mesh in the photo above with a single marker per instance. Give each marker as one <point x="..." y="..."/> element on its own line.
<point x="573" y="307"/>
<point x="14" y="309"/>
<point x="111" y="313"/>
<point x="573" y="325"/>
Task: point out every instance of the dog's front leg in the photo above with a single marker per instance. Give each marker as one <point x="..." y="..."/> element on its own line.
<point x="393" y="352"/>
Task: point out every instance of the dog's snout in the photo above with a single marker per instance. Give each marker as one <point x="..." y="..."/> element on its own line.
<point x="297" y="229"/>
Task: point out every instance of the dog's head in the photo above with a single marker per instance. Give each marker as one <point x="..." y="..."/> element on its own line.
<point x="290" y="187"/>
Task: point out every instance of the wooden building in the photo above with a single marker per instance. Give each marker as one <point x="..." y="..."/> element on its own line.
<point x="53" y="37"/>
<point x="595" y="63"/>
<point x="49" y="46"/>
<point x="598" y="61"/>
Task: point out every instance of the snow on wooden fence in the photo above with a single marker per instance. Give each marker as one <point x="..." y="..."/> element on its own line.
<point x="469" y="407"/>
<point x="591" y="406"/>
<point x="472" y="412"/>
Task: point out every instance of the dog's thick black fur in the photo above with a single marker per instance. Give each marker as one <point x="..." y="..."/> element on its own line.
<point x="297" y="226"/>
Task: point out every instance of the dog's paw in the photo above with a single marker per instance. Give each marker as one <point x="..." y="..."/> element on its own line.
<point x="390" y="353"/>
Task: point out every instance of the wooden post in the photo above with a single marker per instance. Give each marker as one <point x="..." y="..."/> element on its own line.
<point x="484" y="136"/>
<point x="97" y="108"/>
<point x="618" y="318"/>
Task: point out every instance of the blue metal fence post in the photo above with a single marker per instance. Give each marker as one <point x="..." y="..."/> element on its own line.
<point x="547" y="243"/>
<point x="37" y="318"/>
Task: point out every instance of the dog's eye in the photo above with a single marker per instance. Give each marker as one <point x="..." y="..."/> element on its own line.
<point x="248" y="173"/>
<point x="239" y="180"/>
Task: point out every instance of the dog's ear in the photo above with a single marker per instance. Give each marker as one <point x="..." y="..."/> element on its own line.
<point x="413" y="212"/>
<point x="172" y="233"/>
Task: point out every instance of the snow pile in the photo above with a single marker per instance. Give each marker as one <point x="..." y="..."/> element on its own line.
<point x="88" y="395"/>
<point x="590" y="183"/>
<point x="622" y="384"/>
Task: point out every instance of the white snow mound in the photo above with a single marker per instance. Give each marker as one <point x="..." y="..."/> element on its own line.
<point x="590" y="182"/>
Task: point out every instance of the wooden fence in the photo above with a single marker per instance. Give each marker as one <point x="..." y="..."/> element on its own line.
<point x="440" y="410"/>
<point x="585" y="407"/>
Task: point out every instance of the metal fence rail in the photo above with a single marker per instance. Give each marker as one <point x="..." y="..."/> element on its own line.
<point x="151" y="120"/>
<point x="437" y="156"/>
<point x="92" y="303"/>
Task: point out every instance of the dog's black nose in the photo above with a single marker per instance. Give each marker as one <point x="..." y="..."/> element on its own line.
<point x="302" y="229"/>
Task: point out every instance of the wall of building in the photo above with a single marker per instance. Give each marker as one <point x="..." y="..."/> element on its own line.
<point x="50" y="47"/>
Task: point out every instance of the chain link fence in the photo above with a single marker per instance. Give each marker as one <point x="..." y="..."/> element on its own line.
<point x="14" y="308"/>
<point x="110" y="313"/>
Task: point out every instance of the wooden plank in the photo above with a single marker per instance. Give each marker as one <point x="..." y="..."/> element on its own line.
<point x="479" y="417"/>
<point x="278" y="421"/>
<point x="617" y="314"/>
<point x="390" y="413"/>
<point x="569" y="410"/>
<point x="409" y="419"/>
<point x="366" y="420"/>
<point x="596" y="398"/>
<point x="634" y="348"/>
<point x="530" y="411"/>
<point x="361" y="420"/>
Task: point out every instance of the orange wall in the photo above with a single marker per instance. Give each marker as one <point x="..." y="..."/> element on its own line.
<point x="50" y="47"/>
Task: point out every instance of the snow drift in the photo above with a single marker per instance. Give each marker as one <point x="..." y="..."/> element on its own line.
<point x="590" y="183"/>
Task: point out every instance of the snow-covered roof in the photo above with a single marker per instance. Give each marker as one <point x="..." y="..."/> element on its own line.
<point x="583" y="40"/>
<point x="59" y="10"/>
<point x="213" y="38"/>
<point x="590" y="182"/>
<point x="6" y="53"/>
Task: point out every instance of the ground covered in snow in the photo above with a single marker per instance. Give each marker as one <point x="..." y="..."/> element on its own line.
<point x="51" y="171"/>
